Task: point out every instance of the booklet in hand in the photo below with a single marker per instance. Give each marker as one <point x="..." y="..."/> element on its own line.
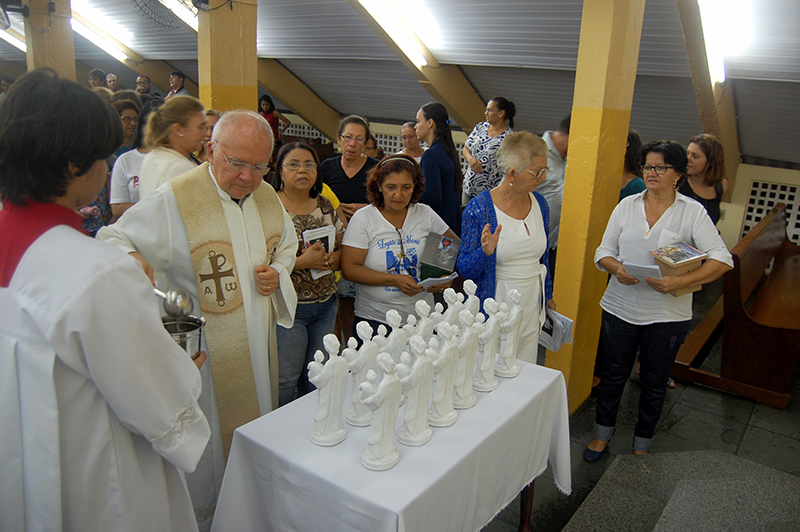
<point x="326" y="236"/>
<point x="439" y="256"/>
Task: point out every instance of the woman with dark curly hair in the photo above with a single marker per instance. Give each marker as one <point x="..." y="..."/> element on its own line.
<point x="385" y="239"/>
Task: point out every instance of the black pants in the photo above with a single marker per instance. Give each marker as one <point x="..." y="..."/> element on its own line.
<point x="658" y="344"/>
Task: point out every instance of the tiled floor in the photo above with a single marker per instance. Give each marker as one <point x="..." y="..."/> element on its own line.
<point x="694" y="418"/>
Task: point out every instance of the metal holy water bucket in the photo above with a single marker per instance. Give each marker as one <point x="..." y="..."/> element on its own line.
<point x="187" y="331"/>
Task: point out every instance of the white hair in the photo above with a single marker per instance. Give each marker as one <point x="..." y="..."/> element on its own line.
<point x="241" y="119"/>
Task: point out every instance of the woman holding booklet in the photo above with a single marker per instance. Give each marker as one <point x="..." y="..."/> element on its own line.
<point x="384" y="242"/>
<point x="319" y="237"/>
<point x="642" y="313"/>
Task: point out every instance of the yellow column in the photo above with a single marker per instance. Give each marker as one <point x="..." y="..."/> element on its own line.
<point x="49" y="37"/>
<point x="606" y="73"/>
<point x="226" y="54"/>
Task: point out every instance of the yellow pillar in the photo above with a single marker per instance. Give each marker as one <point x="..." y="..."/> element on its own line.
<point x="604" y="81"/>
<point x="49" y="37"/>
<point x="226" y="54"/>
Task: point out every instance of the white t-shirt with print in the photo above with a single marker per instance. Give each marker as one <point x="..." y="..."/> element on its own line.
<point x="369" y="230"/>
<point x="125" y="177"/>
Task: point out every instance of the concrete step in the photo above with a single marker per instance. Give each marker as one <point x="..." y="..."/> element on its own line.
<point x="690" y="491"/>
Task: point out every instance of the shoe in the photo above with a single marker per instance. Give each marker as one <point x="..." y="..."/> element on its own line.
<point x="671" y="383"/>
<point x="593" y="456"/>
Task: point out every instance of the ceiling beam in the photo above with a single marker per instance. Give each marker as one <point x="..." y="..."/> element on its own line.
<point x="288" y="88"/>
<point x="154" y="69"/>
<point x="714" y="100"/>
<point x="446" y="83"/>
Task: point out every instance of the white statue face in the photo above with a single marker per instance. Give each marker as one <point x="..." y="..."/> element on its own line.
<point x="433" y="344"/>
<point x="386" y="363"/>
<point x="393" y="319"/>
<point x="364" y="331"/>
<point x="331" y="343"/>
<point x="352" y="343"/>
<point x="470" y="287"/>
<point x="445" y="330"/>
<point x="417" y="344"/>
<point x="465" y="318"/>
<point x="422" y="308"/>
<point x="514" y="296"/>
<point x="490" y="305"/>
<point x="450" y="296"/>
<point x="405" y="358"/>
<point x="319" y="357"/>
<point x="372" y="376"/>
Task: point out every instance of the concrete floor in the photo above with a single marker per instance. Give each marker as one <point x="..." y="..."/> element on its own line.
<point x="694" y="418"/>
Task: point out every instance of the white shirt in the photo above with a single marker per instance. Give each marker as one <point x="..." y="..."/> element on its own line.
<point x="369" y="230"/>
<point x="106" y="401"/>
<point x="553" y="187"/>
<point x="125" y="177"/>
<point x="159" y="166"/>
<point x="628" y="237"/>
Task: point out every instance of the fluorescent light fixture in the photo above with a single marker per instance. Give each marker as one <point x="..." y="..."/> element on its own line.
<point x="100" y="20"/>
<point x="10" y="39"/>
<point x="727" y="31"/>
<point x="182" y="12"/>
<point x="398" y="31"/>
<point x="98" y="41"/>
<point x="420" y="19"/>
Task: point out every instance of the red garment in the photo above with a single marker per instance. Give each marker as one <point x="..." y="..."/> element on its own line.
<point x="21" y="226"/>
<point x="273" y="123"/>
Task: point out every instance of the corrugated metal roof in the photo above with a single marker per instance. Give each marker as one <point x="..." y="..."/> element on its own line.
<point x="525" y="50"/>
<point x="769" y="119"/>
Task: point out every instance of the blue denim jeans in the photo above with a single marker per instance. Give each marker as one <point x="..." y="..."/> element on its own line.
<point x="296" y="346"/>
<point x="658" y="344"/>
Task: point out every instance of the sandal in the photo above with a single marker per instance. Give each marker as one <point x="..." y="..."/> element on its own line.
<point x="671" y="383"/>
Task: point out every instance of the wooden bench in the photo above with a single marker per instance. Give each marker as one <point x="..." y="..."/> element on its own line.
<point x="758" y="317"/>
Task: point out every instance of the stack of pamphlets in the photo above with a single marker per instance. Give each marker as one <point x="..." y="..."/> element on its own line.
<point x="557" y="330"/>
<point x="678" y="259"/>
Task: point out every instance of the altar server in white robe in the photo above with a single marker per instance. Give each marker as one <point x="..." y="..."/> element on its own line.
<point x="98" y="405"/>
<point x="218" y="234"/>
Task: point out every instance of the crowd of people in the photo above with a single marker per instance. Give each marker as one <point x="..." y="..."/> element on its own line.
<point x="272" y="269"/>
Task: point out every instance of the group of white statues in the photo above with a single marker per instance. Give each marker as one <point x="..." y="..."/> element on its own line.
<point x="432" y="375"/>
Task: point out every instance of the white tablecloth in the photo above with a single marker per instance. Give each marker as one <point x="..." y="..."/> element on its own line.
<point x="276" y="479"/>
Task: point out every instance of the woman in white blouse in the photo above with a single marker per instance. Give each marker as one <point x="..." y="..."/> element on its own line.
<point x="641" y="314"/>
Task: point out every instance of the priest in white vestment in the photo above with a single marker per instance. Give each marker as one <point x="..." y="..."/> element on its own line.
<point x="217" y="233"/>
<point x="98" y="404"/>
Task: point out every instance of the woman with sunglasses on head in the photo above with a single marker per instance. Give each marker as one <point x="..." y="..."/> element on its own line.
<point x="705" y="180"/>
<point x="440" y="165"/>
<point x="641" y="314"/>
<point x="385" y="240"/>
<point x="172" y="133"/>
<point x="505" y="237"/>
<point x="299" y="188"/>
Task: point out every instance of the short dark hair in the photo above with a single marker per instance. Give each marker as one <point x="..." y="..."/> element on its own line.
<point x="277" y="182"/>
<point x="121" y="105"/>
<point x="508" y="106"/>
<point x="633" y="160"/>
<point x="127" y="94"/>
<point x="353" y="119"/>
<point x="98" y="73"/>
<point x="143" y="76"/>
<point x="46" y="125"/>
<point x="674" y="154"/>
<point x="177" y="74"/>
<point x="393" y="164"/>
<point x="563" y="127"/>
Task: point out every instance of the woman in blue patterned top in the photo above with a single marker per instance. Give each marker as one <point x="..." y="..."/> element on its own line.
<point x="482" y="144"/>
<point x="505" y="235"/>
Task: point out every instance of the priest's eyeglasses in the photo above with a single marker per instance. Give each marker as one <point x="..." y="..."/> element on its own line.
<point x="295" y="166"/>
<point x="660" y="169"/>
<point x="240" y="166"/>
